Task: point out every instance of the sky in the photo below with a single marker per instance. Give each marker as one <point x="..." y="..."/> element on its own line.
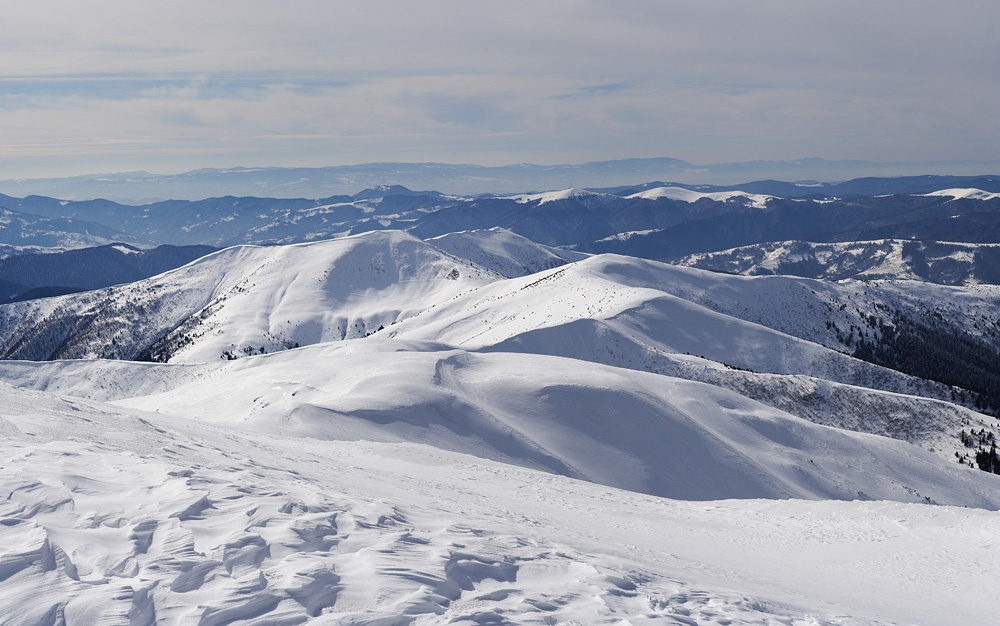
<point x="167" y="87"/>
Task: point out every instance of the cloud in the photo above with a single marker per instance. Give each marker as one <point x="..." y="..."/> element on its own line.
<point x="319" y="82"/>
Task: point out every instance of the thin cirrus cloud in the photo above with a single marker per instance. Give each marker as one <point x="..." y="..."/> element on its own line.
<point x="93" y="90"/>
<point x="125" y="85"/>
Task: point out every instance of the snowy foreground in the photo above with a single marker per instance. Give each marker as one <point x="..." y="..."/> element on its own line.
<point x="116" y="516"/>
<point x="447" y="446"/>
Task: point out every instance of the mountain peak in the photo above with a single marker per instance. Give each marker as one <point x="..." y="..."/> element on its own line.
<point x="381" y="191"/>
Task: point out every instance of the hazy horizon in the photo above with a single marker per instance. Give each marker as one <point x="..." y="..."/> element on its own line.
<point x="323" y="166"/>
<point x="115" y="86"/>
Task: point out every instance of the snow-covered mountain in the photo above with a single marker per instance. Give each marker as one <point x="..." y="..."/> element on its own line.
<point x="244" y="300"/>
<point x="24" y="232"/>
<point x="652" y="220"/>
<point x="480" y="429"/>
<point x="805" y="325"/>
<point x="617" y="311"/>
<point x="933" y="261"/>
<point x="504" y="252"/>
<point x="688" y="195"/>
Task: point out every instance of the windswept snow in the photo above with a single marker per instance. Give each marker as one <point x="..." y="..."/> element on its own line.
<point x="639" y="431"/>
<point x="115" y="516"/>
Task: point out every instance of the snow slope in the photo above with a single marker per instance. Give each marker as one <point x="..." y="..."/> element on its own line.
<point x="801" y="307"/>
<point x="245" y="300"/>
<point x="639" y="431"/>
<point x="686" y="195"/>
<point x="613" y="310"/>
<point x="613" y="304"/>
<point x="504" y="252"/>
<point x="893" y="259"/>
<point x="563" y="194"/>
<point x="116" y="516"/>
<point x="974" y="194"/>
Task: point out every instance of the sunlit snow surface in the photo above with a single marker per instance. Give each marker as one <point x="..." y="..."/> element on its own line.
<point x="686" y="195"/>
<point x="975" y="194"/>
<point x="117" y="517"/>
<point x="537" y="450"/>
<point x="552" y="196"/>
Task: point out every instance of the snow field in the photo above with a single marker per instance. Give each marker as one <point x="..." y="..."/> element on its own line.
<point x="184" y="522"/>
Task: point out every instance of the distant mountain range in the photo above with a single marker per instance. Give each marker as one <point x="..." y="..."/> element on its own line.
<point x="670" y="228"/>
<point x="652" y="220"/>
<point x="945" y="263"/>
<point x="742" y="229"/>
<point x="25" y="232"/>
<point x="319" y="182"/>
<point x="29" y="276"/>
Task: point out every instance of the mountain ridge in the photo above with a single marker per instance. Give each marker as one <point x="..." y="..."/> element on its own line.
<point x="743" y="334"/>
<point x="462" y="179"/>
<point x="84" y="269"/>
<point x="946" y="263"/>
<point x="652" y="222"/>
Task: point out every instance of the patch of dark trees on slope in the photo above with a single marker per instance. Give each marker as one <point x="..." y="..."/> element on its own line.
<point x="938" y="351"/>
<point x="985" y="459"/>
